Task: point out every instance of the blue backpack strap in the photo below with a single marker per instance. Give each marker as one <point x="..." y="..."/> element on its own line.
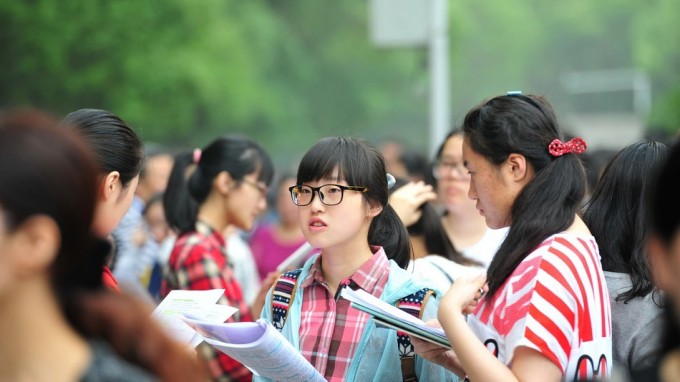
<point x="412" y="304"/>
<point x="282" y="296"/>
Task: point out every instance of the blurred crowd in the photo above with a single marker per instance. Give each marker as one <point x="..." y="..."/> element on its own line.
<point x="97" y="227"/>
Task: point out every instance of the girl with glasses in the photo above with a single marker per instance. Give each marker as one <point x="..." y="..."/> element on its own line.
<point x="224" y="184"/>
<point x="341" y="194"/>
<point x="465" y="227"/>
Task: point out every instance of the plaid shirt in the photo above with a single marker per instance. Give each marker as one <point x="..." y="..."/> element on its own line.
<point x="329" y="330"/>
<point x="199" y="262"/>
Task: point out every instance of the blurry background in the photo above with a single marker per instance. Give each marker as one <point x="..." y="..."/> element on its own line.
<point x="289" y="72"/>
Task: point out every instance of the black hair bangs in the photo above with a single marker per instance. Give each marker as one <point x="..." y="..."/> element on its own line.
<point x="331" y="153"/>
<point x="265" y="167"/>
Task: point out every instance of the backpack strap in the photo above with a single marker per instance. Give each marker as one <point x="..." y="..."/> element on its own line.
<point x="412" y="304"/>
<point x="282" y="296"/>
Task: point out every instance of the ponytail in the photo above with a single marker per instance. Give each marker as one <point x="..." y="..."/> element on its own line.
<point x="388" y="231"/>
<point x="546" y="206"/>
<point x="181" y="209"/>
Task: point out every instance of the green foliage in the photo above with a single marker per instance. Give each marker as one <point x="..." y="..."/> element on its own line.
<point x="287" y="73"/>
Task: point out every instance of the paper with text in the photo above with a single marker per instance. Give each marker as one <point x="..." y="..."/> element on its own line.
<point x="260" y="347"/>
<point x="199" y="303"/>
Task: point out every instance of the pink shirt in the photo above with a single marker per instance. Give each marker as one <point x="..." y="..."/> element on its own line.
<point x="330" y="330"/>
<point x="268" y="251"/>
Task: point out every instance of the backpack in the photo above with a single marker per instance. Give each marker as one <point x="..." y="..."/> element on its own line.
<point x="284" y="293"/>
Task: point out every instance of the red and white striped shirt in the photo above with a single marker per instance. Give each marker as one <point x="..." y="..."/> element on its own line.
<point x="555" y="302"/>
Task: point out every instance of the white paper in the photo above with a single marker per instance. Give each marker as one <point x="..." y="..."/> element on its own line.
<point x="393" y="317"/>
<point x="200" y="303"/>
<point x="260" y="347"/>
<point x="296" y="257"/>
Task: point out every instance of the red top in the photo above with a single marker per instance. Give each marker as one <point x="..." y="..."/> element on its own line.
<point x="110" y="281"/>
<point x="199" y="262"/>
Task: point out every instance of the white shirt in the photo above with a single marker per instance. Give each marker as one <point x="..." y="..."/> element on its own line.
<point x="484" y="250"/>
<point x="440" y="271"/>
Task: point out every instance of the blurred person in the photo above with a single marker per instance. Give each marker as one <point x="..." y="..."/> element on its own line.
<point x="273" y="243"/>
<point x="163" y="236"/>
<point x="243" y="263"/>
<point x="434" y="256"/>
<point x="137" y="251"/>
<point x="224" y="184"/>
<point x="663" y="251"/>
<point x="392" y="149"/>
<point x="544" y="314"/>
<point x="617" y="217"/>
<point x="58" y="321"/>
<point x="464" y="225"/>
<point x="416" y="165"/>
<point x="119" y="154"/>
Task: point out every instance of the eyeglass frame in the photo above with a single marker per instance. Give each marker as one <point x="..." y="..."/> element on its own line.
<point x="317" y="190"/>
<point x="264" y="190"/>
<point x="438" y="166"/>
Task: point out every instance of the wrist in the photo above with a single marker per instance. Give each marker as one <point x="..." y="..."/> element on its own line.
<point x="449" y="315"/>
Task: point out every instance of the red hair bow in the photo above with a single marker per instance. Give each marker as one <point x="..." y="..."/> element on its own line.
<point x="558" y="148"/>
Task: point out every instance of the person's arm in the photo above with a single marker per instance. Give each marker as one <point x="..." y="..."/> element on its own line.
<point x="477" y="361"/>
<point x="260" y="301"/>
<point x="427" y="369"/>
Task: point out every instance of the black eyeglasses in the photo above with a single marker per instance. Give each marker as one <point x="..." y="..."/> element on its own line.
<point x="329" y="194"/>
<point x="258" y="186"/>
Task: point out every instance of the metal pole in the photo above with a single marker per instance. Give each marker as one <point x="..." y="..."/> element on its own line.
<point x="440" y="111"/>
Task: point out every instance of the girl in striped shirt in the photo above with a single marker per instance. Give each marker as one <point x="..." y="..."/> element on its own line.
<point x="542" y="313"/>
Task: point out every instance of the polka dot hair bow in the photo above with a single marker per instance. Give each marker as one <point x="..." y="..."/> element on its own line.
<point x="558" y="148"/>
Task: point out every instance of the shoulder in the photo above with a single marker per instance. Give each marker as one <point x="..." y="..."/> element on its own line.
<point x="567" y="249"/>
<point x="402" y="283"/>
<point x="107" y="366"/>
<point x="193" y="246"/>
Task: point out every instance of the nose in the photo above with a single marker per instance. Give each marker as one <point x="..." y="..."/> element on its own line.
<point x="472" y="191"/>
<point x="262" y="204"/>
<point x="316" y="203"/>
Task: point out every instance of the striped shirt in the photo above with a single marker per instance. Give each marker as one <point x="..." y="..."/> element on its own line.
<point x="555" y="302"/>
<point x="199" y="262"/>
<point x="329" y="330"/>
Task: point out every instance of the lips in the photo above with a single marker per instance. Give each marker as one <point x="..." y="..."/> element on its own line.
<point x="316" y="224"/>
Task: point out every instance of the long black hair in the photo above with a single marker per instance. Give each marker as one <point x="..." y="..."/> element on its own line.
<point x="188" y="188"/>
<point x="616" y="213"/>
<point x="360" y="164"/>
<point x="547" y="205"/>
<point x="664" y="222"/>
<point x="115" y="145"/>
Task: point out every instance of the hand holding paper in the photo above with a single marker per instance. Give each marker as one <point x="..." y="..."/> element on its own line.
<point x="260" y="347"/>
<point x="390" y="316"/>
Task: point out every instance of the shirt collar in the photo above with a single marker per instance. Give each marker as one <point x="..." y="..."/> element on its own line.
<point x="207" y="230"/>
<point x="367" y="277"/>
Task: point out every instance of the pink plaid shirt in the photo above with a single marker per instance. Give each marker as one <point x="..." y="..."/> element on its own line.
<point x="330" y="330"/>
